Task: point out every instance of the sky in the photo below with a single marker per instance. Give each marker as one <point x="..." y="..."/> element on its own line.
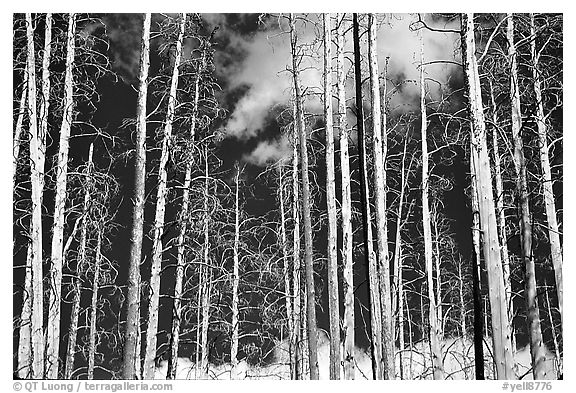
<point x="251" y="64"/>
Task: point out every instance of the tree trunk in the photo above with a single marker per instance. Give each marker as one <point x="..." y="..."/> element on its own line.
<point x="206" y="273"/>
<point x="306" y="215"/>
<point x="558" y="359"/>
<point x="94" y="307"/>
<point x="37" y="153"/>
<point x="476" y="275"/>
<point x="333" y="303"/>
<point x="285" y="269"/>
<point x="348" y="276"/>
<point x="76" y="281"/>
<point x="236" y="277"/>
<point x="154" y="301"/>
<point x="131" y="356"/>
<point x="53" y="326"/>
<point x="553" y="228"/>
<point x="537" y="349"/>
<point x="25" y="337"/>
<point x="383" y="265"/>
<point x="435" y="328"/>
<point x="296" y="273"/>
<point x="181" y="257"/>
<point x="500" y="210"/>
<point x="500" y="327"/>
<point x="17" y="142"/>
<point x="373" y="284"/>
<point x="397" y="302"/>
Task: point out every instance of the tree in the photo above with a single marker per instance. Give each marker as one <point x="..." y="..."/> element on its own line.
<point x="53" y="327"/>
<point x="81" y="261"/>
<point x="553" y="228"/>
<point x="37" y="155"/>
<point x="373" y="284"/>
<point x="348" y="275"/>
<point x="333" y="303"/>
<point x="157" y="247"/>
<point x="309" y="268"/>
<point x="379" y="151"/>
<point x="502" y="350"/>
<point x="435" y="327"/>
<point x="532" y="313"/>
<point x="131" y="353"/>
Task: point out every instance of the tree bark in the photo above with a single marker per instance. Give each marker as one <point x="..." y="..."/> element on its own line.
<point x="537" y="349"/>
<point x="435" y="334"/>
<point x="236" y="276"/>
<point x="181" y="253"/>
<point x="53" y="326"/>
<point x="373" y="284"/>
<point x="500" y="327"/>
<point x="76" y="281"/>
<point x="94" y="307"/>
<point x="205" y="273"/>
<point x="25" y="331"/>
<point x="306" y="215"/>
<point x="296" y="270"/>
<point x="500" y="209"/>
<point x="37" y="154"/>
<point x="553" y="228"/>
<point x="398" y="301"/>
<point x="476" y="274"/>
<point x="348" y="276"/>
<point x="17" y="142"/>
<point x="154" y="301"/>
<point x="333" y="303"/>
<point x="558" y="359"/>
<point x="131" y="356"/>
<point x="285" y="268"/>
<point x="383" y="264"/>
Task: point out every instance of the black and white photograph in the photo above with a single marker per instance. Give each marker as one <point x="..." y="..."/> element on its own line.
<point x="287" y="196"/>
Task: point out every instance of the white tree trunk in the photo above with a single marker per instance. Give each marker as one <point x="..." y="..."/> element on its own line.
<point x="553" y="228"/>
<point x="94" y="307"/>
<point x="205" y="274"/>
<point x="177" y="309"/>
<point x="76" y="281"/>
<point x="306" y="215"/>
<point x="333" y="303"/>
<point x="154" y="302"/>
<point x="500" y="211"/>
<point x="236" y="278"/>
<point x="25" y="337"/>
<point x="348" y="276"/>
<point x="131" y="353"/>
<point x="502" y="350"/>
<point x="398" y="301"/>
<point x="296" y="270"/>
<point x="37" y="153"/>
<point x="53" y="326"/>
<point x="374" y="292"/>
<point x="537" y="349"/>
<point x="285" y="269"/>
<point x="383" y="268"/>
<point x="17" y="142"/>
<point x="435" y="349"/>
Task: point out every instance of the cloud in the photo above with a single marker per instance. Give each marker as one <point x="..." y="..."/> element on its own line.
<point x="267" y="86"/>
<point x="269" y="151"/>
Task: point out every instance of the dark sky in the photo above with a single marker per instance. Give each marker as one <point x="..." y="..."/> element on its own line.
<point x="249" y="60"/>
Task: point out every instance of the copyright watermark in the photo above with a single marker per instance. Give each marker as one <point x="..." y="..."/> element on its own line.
<point x="527" y="385"/>
<point x="89" y="386"/>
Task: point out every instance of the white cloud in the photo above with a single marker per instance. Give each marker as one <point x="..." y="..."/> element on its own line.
<point x="269" y="151"/>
